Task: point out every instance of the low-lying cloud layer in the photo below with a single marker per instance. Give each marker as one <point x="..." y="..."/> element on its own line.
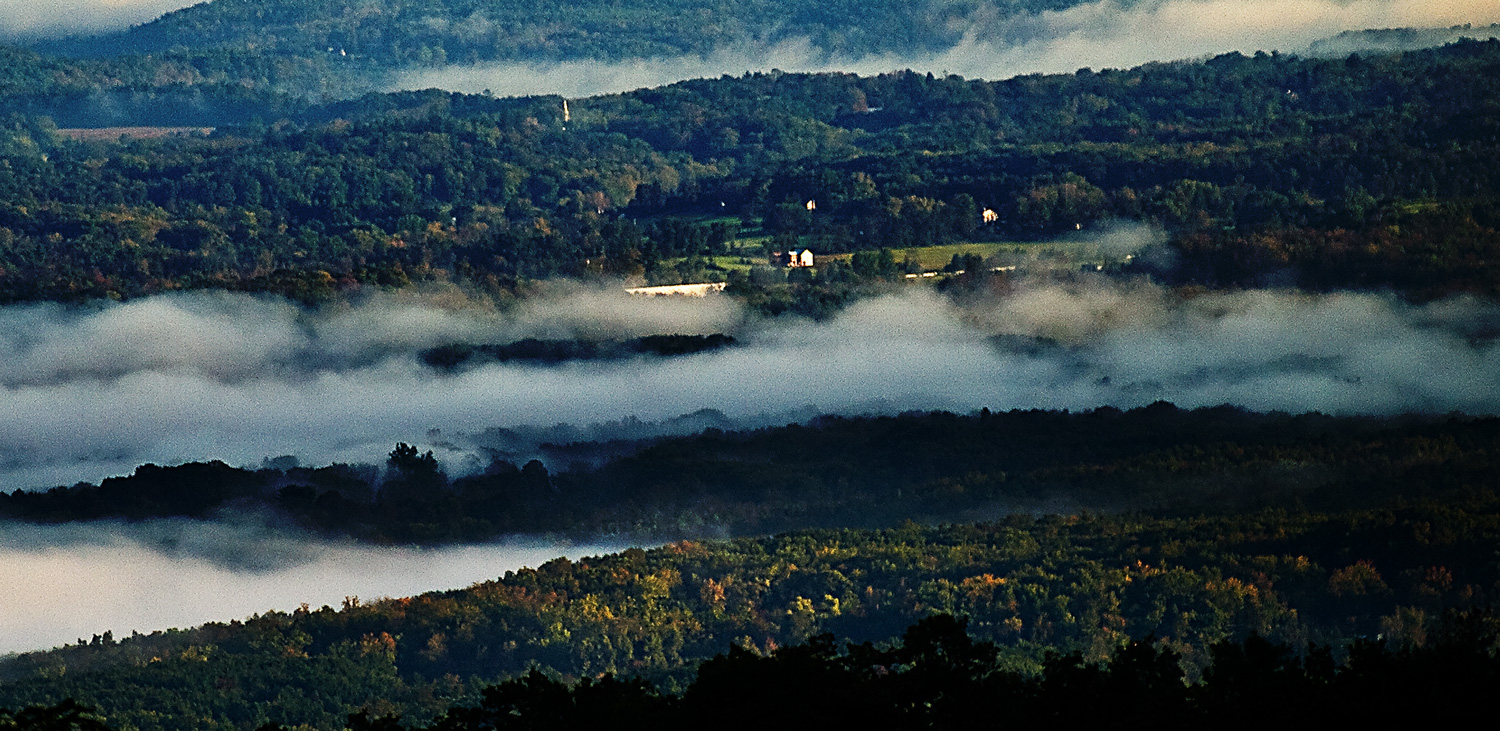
<point x="64" y="583"/>
<point x="96" y="391"/>
<point x="999" y="45"/>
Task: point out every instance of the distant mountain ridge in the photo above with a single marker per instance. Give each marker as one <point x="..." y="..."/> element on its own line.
<point x="390" y="34"/>
<point x="327" y="49"/>
<point x="1395" y="40"/>
<point x="393" y="33"/>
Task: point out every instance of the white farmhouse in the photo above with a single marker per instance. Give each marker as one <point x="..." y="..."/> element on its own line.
<point x="793" y="259"/>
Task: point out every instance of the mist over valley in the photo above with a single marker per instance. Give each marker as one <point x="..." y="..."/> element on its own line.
<point x="81" y="580"/>
<point x="96" y="391"/>
<point x="1091" y="363"/>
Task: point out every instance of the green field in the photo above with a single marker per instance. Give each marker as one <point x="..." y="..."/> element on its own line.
<point x="934" y="257"/>
<point x="937" y="257"/>
<point x="742" y="263"/>
<point x="750" y="251"/>
<point x="1043" y="255"/>
<point x="745" y="252"/>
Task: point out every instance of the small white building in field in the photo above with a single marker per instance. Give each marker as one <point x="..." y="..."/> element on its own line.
<point x="803" y="258"/>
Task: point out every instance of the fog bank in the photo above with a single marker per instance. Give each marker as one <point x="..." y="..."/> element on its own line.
<point x="998" y="44"/>
<point x="91" y="392"/>
<point x="69" y="582"/>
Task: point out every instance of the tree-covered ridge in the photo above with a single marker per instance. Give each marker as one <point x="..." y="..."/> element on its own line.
<point x="936" y="677"/>
<point x="64" y="716"/>
<point x="835" y="472"/>
<point x="25" y="72"/>
<point x="1392" y="40"/>
<point x="391" y="33"/>
<point x="1082" y="583"/>
<point x="551" y="352"/>
<point x="172" y="88"/>
<point x="1366" y="172"/>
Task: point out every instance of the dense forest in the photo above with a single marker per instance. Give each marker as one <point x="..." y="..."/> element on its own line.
<point x="1081" y="583"/>
<point x="1392" y="40"/>
<point x="233" y="60"/>
<point x="178" y="88"/>
<point x="833" y="472"/>
<point x="387" y="33"/>
<point x="1358" y="172"/>
<point x="454" y="356"/>
<point x="937" y="676"/>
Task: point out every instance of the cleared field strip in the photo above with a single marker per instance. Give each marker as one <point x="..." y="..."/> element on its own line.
<point x="110" y="134"/>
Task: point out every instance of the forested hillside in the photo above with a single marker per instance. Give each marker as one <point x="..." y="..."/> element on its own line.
<point x="391" y="33"/>
<point x="1064" y="583"/>
<point x="173" y="88"/>
<point x="1392" y="40"/>
<point x="1359" y="172"/>
<point x="834" y="472"/>
<point x="1191" y="527"/>
<point x="936" y="676"/>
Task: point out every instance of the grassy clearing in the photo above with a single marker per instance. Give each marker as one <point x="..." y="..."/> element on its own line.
<point x="112" y="134"/>
<point x="936" y="257"/>
<point x="1034" y="256"/>
<point x="1025" y="255"/>
<point x="751" y="246"/>
<point x="742" y="263"/>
